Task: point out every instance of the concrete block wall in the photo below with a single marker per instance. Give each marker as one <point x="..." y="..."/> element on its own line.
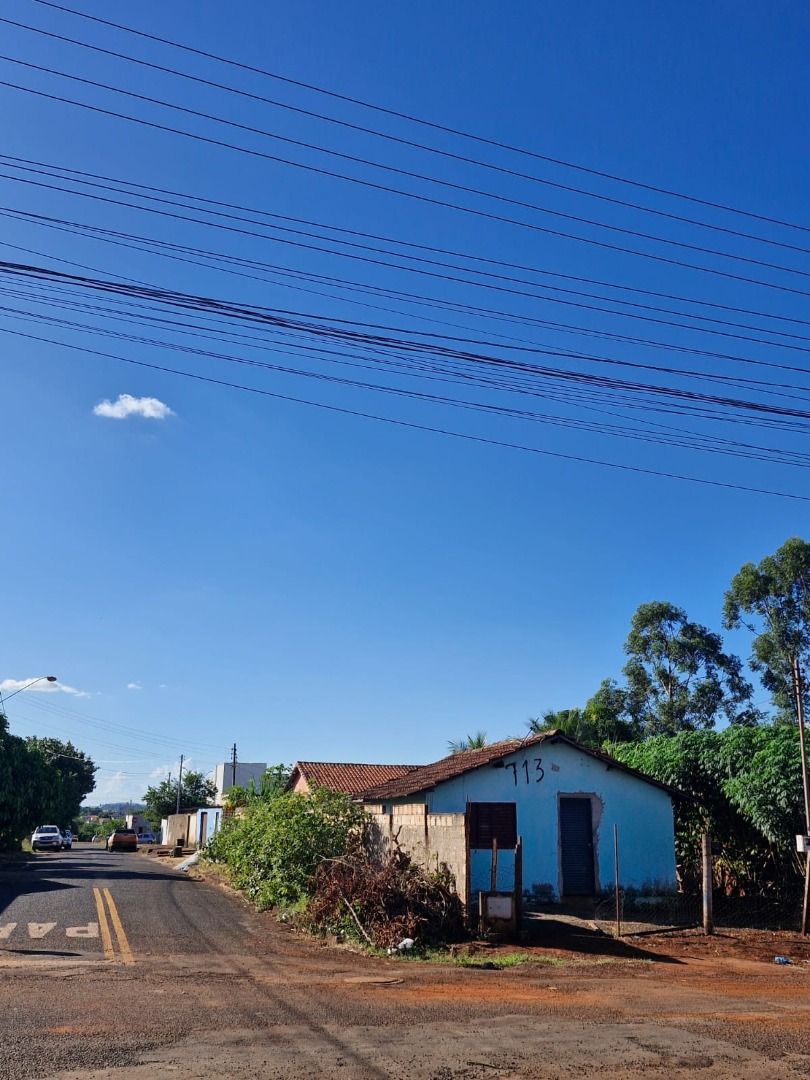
<point x="430" y="839"/>
<point x="447" y="841"/>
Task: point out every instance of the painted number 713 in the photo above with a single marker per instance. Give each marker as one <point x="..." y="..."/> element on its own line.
<point x="528" y="771"/>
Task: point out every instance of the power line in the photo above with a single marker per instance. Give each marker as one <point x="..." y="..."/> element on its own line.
<point x="432" y="124"/>
<point x="745" y="451"/>
<point x="319" y="170"/>
<point x="126" y="240"/>
<point x="47" y="169"/>
<point x="410" y="425"/>
<point x="107" y="235"/>
<point x="295" y="321"/>
<point x="439" y="151"/>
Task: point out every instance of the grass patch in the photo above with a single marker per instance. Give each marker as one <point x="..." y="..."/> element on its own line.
<point x="497" y="962"/>
<point x="483" y="961"/>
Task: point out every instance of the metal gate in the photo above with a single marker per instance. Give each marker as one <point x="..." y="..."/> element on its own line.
<point x="576" y="846"/>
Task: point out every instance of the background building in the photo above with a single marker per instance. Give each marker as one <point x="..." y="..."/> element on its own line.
<point x="223" y="775"/>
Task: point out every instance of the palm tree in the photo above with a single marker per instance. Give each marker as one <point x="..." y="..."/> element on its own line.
<point x="472" y="742"/>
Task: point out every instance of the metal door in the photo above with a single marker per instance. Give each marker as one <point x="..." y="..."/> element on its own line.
<point x="576" y="846"/>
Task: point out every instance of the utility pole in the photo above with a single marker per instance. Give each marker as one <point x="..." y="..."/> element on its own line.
<point x="798" y="690"/>
<point x="233" y="765"/>
<point x="180" y="783"/>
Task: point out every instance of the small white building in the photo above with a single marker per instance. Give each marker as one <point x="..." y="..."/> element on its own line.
<point x="193" y="828"/>
<point x="139" y="824"/>
<point x="226" y="775"/>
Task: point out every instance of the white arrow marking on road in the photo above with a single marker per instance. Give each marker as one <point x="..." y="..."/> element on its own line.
<point x="40" y="929"/>
<point x="5" y="931"/>
<point x="91" y="930"/>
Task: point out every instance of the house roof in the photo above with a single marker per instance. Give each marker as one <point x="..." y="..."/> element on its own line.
<point x="350" y="778"/>
<point x="426" y="777"/>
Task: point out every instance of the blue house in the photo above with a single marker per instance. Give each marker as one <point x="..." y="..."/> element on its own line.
<point x="560" y="798"/>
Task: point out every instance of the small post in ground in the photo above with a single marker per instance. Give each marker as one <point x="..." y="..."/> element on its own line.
<point x="616" y="889"/>
<point x="708" y="885"/>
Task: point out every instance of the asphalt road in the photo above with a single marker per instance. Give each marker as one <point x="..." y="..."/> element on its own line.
<point x="117" y="967"/>
<point x="91" y="904"/>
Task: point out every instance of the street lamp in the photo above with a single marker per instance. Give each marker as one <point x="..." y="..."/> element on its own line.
<point x="41" y="678"/>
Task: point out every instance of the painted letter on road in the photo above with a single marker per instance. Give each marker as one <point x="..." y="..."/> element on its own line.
<point x="40" y="929"/>
<point x="91" y="930"/>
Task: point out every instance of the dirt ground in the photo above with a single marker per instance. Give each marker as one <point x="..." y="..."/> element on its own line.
<point x="216" y="990"/>
<point x="678" y="1006"/>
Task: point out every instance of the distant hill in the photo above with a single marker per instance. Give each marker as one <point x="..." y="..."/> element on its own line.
<point x="118" y="808"/>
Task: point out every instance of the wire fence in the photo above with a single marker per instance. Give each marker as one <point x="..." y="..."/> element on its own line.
<point x="638" y="914"/>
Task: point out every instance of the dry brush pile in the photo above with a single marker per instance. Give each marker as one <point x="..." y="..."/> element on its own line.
<point x="384" y="902"/>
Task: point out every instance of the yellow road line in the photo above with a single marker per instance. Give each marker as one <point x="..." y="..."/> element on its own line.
<point x="104" y="927"/>
<point x="123" y="944"/>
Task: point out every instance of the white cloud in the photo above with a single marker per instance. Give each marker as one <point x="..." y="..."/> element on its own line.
<point x="111" y="788"/>
<point x="134" y="686"/>
<point x="173" y="770"/>
<point x="8" y="686"/>
<point x="150" y="408"/>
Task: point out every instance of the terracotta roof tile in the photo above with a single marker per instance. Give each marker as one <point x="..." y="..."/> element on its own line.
<point x="350" y="778"/>
<point x="425" y="777"/>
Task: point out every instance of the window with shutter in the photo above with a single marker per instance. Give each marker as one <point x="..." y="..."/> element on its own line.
<point x="493" y="821"/>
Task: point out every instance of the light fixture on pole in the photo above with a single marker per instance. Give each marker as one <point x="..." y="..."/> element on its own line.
<point x="19" y="690"/>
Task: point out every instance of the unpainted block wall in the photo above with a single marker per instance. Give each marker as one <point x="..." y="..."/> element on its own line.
<point x="430" y="839"/>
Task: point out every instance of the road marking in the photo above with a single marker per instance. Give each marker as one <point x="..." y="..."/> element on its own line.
<point x="106" y="939"/>
<point x="40" y="929"/>
<point x="91" y="930"/>
<point x="6" y="931"/>
<point x="123" y="944"/>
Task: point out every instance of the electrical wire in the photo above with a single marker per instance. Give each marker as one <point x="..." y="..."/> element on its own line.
<point x="444" y="129"/>
<point x="476" y="212"/>
<point x="410" y="425"/>
<point x="412" y="144"/>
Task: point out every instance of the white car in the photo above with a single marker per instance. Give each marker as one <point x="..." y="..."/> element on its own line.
<point x="67" y="836"/>
<point x="47" y="838"/>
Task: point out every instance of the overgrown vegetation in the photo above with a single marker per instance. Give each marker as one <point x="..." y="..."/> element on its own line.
<point x="383" y="903"/>
<point x="272" y="849"/>
<point x="743" y="785"/>
<point x="312" y="854"/>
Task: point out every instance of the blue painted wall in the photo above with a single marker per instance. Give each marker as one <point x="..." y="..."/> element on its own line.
<point x="535" y="780"/>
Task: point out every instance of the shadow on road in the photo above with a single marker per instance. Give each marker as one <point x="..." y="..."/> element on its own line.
<point x="26" y="874"/>
<point x="577" y="935"/>
<point x="43" y="952"/>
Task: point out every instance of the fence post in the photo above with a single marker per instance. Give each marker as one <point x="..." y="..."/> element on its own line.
<point x="708" y="885"/>
<point x="616" y="890"/>
<point x="518" y="883"/>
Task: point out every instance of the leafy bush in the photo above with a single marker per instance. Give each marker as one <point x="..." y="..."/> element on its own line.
<point x="744" y="787"/>
<point x="272" y="849"/>
<point x="381" y="904"/>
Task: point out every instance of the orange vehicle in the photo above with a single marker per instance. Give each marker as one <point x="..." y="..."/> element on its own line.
<point x="122" y="840"/>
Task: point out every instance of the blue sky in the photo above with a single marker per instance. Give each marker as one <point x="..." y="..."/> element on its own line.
<point x="315" y="585"/>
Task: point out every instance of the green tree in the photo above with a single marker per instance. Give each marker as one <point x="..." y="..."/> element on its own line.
<point x="274" y="781"/>
<point x="196" y="791"/>
<point x="772" y="600"/>
<point x="27" y="787"/>
<point x="472" y="742"/>
<point x="75" y="776"/>
<point x="603" y="719"/>
<point x="678" y="676"/>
